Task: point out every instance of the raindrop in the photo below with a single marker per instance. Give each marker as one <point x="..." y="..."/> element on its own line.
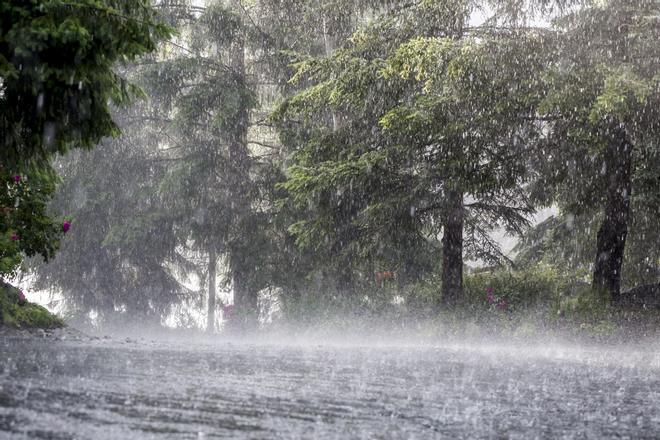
<point x="49" y="134"/>
<point x="40" y="102"/>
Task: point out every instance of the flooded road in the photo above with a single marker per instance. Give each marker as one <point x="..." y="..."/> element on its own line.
<point x="109" y="390"/>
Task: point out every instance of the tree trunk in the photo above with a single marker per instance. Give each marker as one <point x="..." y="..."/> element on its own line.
<point x="611" y="239"/>
<point x="452" y="250"/>
<point x="246" y="311"/>
<point x="245" y="301"/>
<point x="210" y="317"/>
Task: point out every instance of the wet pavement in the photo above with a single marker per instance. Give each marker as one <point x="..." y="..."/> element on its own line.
<point x="98" y="389"/>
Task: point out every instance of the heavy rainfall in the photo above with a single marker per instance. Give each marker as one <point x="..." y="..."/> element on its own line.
<point x="329" y="219"/>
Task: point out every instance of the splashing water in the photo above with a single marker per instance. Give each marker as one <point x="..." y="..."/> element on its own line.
<point x="107" y="390"/>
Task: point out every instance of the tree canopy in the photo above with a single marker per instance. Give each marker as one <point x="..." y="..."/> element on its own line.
<point x="57" y="74"/>
<point x="57" y="82"/>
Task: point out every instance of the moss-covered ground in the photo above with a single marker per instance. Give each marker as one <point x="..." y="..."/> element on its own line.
<point x="23" y="314"/>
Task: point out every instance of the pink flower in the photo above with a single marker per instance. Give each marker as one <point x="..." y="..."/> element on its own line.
<point x="14" y="236"/>
<point x="17" y="178"/>
<point x="489" y="295"/>
<point x="21" y="297"/>
<point x="66" y="226"/>
<point x="502" y="304"/>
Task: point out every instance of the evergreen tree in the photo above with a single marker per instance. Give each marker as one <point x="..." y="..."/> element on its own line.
<point x="57" y="80"/>
<point x="56" y="72"/>
<point x="189" y="170"/>
<point x="567" y="241"/>
<point x="434" y="117"/>
<point x="601" y="151"/>
<point x="120" y="261"/>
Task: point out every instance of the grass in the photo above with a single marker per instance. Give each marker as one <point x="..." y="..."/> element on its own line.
<point x="24" y="315"/>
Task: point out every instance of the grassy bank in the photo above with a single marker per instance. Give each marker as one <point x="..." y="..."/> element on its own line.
<point x="21" y="314"/>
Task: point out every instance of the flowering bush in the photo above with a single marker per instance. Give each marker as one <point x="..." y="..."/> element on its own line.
<point x="16" y="311"/>
<point x="25" y="227"/>
<point x="493" y="301"/>
<point x="514" y="290"/>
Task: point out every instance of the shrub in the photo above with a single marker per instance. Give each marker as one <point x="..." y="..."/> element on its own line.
<point x="15" y="312"/>
<point x="537" y="287"/>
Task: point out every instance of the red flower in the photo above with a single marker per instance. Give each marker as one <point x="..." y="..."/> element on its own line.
<point x="14" y="236"/>
<point x="66" y="226"/>
<point x="17" y="178"/>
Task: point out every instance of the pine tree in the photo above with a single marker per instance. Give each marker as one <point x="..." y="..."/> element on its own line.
<point x="434" y="117"/>
<point x="602" y="106"/>
<point x="57" y="72"/>
<point x="57" y="79"/>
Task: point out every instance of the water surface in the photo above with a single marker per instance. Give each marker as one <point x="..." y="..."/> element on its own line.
<point x="109" y="390"/>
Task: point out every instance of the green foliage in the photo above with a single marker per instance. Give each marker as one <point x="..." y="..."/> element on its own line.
<point x="407" y="111"/>
<point x="604" y="76"/>
<point x="386" y="108"/>
<point x="118" y="254"/>
<point x="15" y="313"/>
<point x="601" y="106"/>
<point x="539" y="301"/>
<point x="522" y="290"/>
<point x="178" y="189"/>
<point x="57" y="82"/>
<point x="622" y="95"/>
<point x="567" y="242"/>
<point x="25" y="226"/>
<point x="56" y="72"/>
<point x="323" y="304"/>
